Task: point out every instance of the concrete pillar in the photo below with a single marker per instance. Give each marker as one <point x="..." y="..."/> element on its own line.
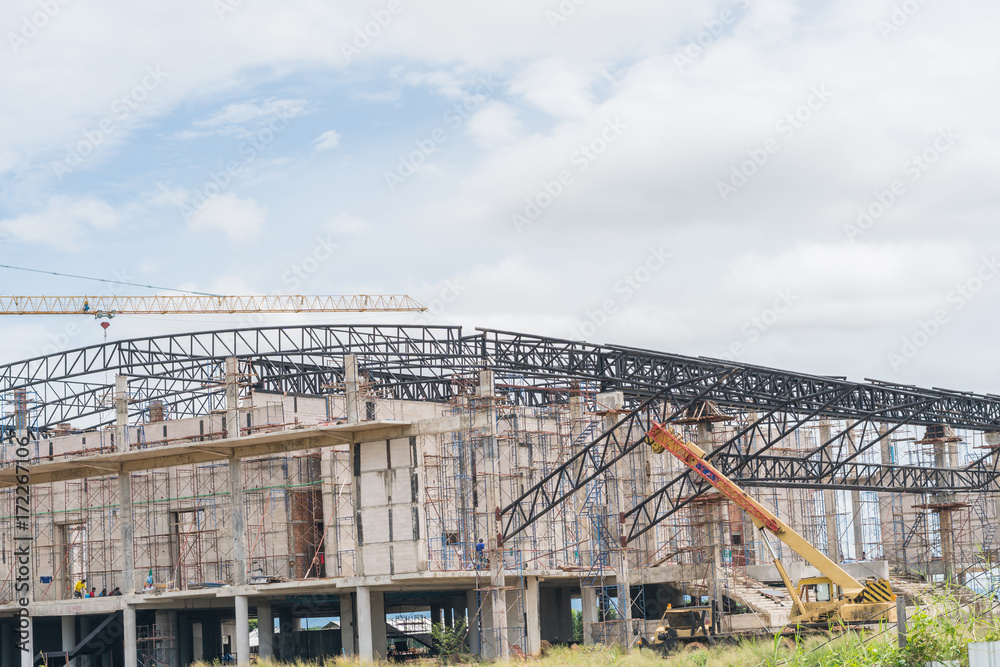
<point x="591" y="608"/>
<point x="125" y="521"/>
<point x="23" y="534"/>
<point x="124" y="490"/>
<point x="714" y="529"/>
<point x="533" y="631"/>
<point x="612" y="404"/>
<point x="328" y="472"/>
<point x="232" y="398"/>
<point x="265" y="629"/>
<point x="121" y="413"/>
<point x="366" y="649"/>
<point x="472" y="604"/>
<point x="886" y="528"/>
<point x="351" y="389"/>
<point x="494" y="627"/>
<point x="242" y="630"/>
<point x="239" y="522"/>
<point x="197" y="641"/>
<point x="436" y="614"/>
<point x="449" y="616"/>
<point x="69" y="636"/>
<point x="371" y="624"/>
<point x="380" y="645"/>
<point x="165" y="629"/>
<point x="173" y="626"/>
<point x="107" y="659"/>
<point x="129" y="638"/>
<point x="348" y="625"/>
<point x="830" y="504"/>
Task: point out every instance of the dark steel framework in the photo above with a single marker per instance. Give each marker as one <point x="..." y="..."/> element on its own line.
<point x="427" y="362"/>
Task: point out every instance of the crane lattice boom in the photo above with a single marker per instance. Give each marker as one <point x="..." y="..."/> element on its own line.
<point x="108" y="306"/>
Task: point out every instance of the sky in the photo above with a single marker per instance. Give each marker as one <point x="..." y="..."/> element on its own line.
<point x="808" y="186"/>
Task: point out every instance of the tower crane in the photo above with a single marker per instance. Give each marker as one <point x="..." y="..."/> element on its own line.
<point x="110" y="306"/>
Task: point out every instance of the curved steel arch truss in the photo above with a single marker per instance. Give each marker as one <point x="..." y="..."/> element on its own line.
<point x="421" y="363"/>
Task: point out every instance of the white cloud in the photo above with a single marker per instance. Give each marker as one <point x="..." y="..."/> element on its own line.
<point x="494" y="124"/>
<point x="239" y="219"/>
<point x="243" y="113"/>
<point x="326" y="141"/>
<point x="64" y="222"/>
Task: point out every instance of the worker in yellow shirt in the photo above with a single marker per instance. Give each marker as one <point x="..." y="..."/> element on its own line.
<point x="80" y="588"/>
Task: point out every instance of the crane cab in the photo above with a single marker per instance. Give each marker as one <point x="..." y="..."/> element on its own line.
<point x="824" y="601"/>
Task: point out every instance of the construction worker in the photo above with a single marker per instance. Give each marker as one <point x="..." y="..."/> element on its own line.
<point x="80" y="588"/>
<point x="480" y="554"/>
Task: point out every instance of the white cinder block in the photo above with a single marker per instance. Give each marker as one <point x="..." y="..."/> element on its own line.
<point x="373" y="456"/>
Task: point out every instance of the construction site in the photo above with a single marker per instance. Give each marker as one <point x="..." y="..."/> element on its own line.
<point x="361" y="479"/>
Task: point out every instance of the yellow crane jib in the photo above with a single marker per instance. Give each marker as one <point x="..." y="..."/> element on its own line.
<point x="835" y="596"/>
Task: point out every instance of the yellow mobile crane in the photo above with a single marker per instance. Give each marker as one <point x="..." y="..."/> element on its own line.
<point x="832" y="598"/>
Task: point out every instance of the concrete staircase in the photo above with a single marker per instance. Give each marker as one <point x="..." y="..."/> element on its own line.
<point x="770" y="605"/>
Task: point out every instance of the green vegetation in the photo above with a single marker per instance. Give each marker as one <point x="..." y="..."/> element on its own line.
<point x="448" y="642"/>
<point x="938" y="630"/>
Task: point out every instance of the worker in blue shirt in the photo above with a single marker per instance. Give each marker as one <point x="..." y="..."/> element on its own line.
<point x="480" y="553"/>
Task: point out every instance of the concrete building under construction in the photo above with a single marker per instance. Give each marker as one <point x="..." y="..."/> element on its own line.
<point x="372" y="477"/>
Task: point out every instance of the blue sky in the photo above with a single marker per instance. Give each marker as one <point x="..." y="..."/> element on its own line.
<point x="805" y="188"/>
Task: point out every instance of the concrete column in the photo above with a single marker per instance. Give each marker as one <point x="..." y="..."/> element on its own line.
<point x="265" y="629"/>
<point x="69" y="636"/>
<point x="371" y="624"/>
<point x="130" y="638"/>
<point x="857" y="525"/>
<point x="472" y="605"/>
<point x="886" y="528"/>
<point x="107" y="659"/>
<point x="495" y="626"/>
<point x="714" y="528"/>
<point x="121" y="413"/>
<point x="591" y="613"/>
<point x="830" y="504"/>
<point x="174" y="627"/>
<point x="380" y="646"/>
<point x="436" y="614"/>
<point x="449" y="616"/>
<point x="531" y="618"/>
<point x="612" y="404"/>
<point x="457" y="610"/>
<point x="348" y="625"/>
<point x="242" y="630"/>
<point x="328" y="473"/>
<point x="366" y="649"/>
<point x="351" y="389"/>
<point x="126" y="528"/>
<point x="232" y="398"/>
<point x="239" y="522"/>
<point x="197" y="641"/>
<point x="23" y="534"/>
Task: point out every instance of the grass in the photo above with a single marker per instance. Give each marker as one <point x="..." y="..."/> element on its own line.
<point x="938" y="630"/>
